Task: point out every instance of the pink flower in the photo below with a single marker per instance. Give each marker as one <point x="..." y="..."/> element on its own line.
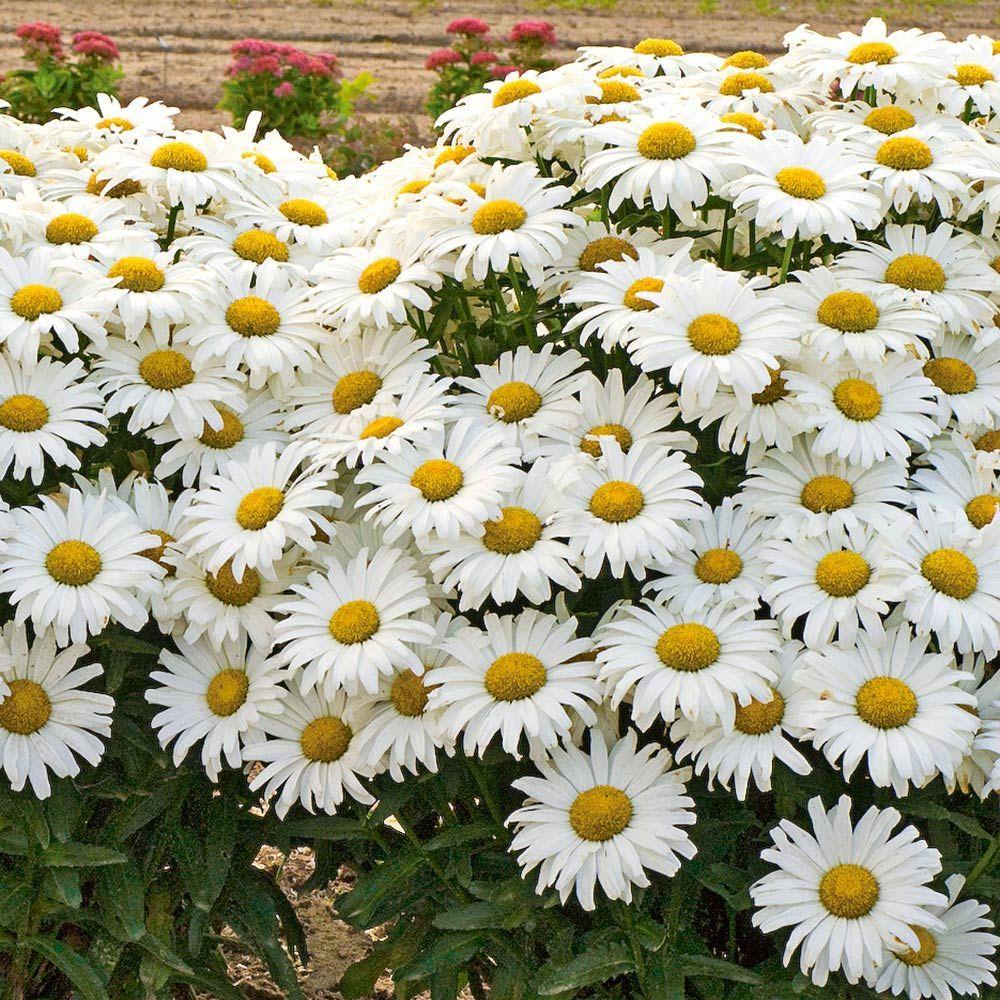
<point x="96" y="45"/>
<point x="502" y="69"/>
<point x="533" y="31"/>
<point x="442" y="57"/>
<point x="483" y="58"/>
<point x="468" y="26"/>
<point x="40" y="40"/>
<point x="284" y="89"/>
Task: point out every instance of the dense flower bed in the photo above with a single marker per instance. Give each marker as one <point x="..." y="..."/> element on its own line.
<point x="592" y="515"/>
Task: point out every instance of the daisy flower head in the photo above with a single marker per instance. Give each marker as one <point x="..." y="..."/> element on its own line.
<point x="239" y="246"/>
<point x="966" y="378"/>
<point x="805" y="189"/>
<point x="974" y="79"/>
<point x="525" y="394"/>
<point x="351" y="625"/>
<point x="28" y="160"/>
<point x="977" y="774"/>
<point x="247" y="516"/>
<point x="518" y="218"/>
<point x="443" y="488"/>
<point x="866" y="416"/>
<point x="111" y="121"/>
<point x="759" y="737"/>
<point x="847" y="891"/>
<point x="713" y="329"/>
<point x="521" y="676"/>
<point x="723" y="563"/>
<point x="46" y="410"/>
<point x="628" y="509"/>
<point x="518" y="552"/>
<point x="953" y="481"/>
<point x="951" y="578"/>
<point x="892" y="704"/>
<point x="311" y="752"/>
<point x="214" y="696"/>
<point x="701" y="664"/>
<point x="650" y="57"/>
<point x="603" y="817"/>
<point x="47" y="718"/>
<point x="155" y="381"/>
<point x="77" y="567"/>
<point x="805" y="491"/>
<point x="841" y="579"/>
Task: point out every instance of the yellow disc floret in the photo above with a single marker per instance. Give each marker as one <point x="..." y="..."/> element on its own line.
<point x="73" y="563"/>
<point x="137" y="274"/>
<point x="972" y="75"/>
<point x="713" y="334"/>
<point x="513" y="401"/>
<point x="950" y="572"/>
<point x="857" y="399"/>
<point x="514" y="676"/>
<point x="23" y="413"/>
<point x="718" y="566"/>
<point x="666" y="141"/>
<point x="801" y="182"/>
<point x="600" y="813"/>
<point x="259" y="508"/>
<point x="688" y="647"/>
<point x="354" y="622"/>
<point x="591" y="445"/>
<point x="17" y="163"/>
<point x="842" y="574"/>
<point x="178" y="155"/>
<point x="760" y="717"/>
<point x="325" y="740"/>
<point x="737" y="83"/>
<point x="746" y="59"/>
<point x="500" y="215"/>
<point x="354" y="389"/>
<point x="879" y="53"/>
<point x="750" y="123"/>
<point x="31" y="301"/>
<point x="252" y="316"/>
<point x="380" y="427"/>
<point x="951" y="375"/>
<point x="228" y="435"/>
<point x="924" y="954"/>
<point x="166" y="369"/>
<point x="823" y="494"/>
<point x="303" y="212"/>
<point x="227" y="692"/>
<point x="979" y="510"/>
<point x="514" y="90"/>
<point x="70" y="229"/>
<point x="849" y="312"/>
<point x="606" y="248"/>
<point x="409" y="694"/>
<point x="885" y="702"/>
<point x="26" y="709"/>
<point x="917" y="273"/>
<point x="617" y="501"/>
<point x="224" y="587"/>
<point x="889" y="119"/>
<point x="515" y="530"/>
<point x="437" y="479"/>
<point x="848" y="891"/>
<point x="662" y="48"/>
<point x="379" y="275"/>
<point x="638" y="302"/>
<point x="903" y="152"/>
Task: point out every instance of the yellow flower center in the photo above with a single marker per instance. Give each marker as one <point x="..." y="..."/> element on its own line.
<point x="950" y="572"/>
<point x="513" y="401"/>
<point x="325" y="740"/>
<point x="252" y="316"/>
<point x="515" y="530"/>
<point x="972" y="75"/>
<point x="776" y="389"/>
<point x="26" y="709"/>
<point x="437" y="479"/>
<point x="262" y="162"/>
<point x="498" y="216"/>
<point x="355" y="389"/>
<point x="607" y="74"/>
<point x="760" y="717"/>
<point x="227" y="692"/>
<point x="713" y="334"/>
<point x="916" y="272"/>
<point x="23" y="413"/>
<point x="259" y="508"/>
<point x="990" y="441"/>
<point x="606" y="248"/>
<point x="951" y="375"/>
<point x="70" y="228"/>
<point x="735" y="84"/>
<point x="179" y="156"/>
<point x="823" y="494"/>
<point x="979" y="510"/>
<point x="303" y="212"/>
<point x="409" y="694"/>
<point x="885" y="702"/>
<point x="747" y="59"/>
<point x="381" y="427"/>
<point x="925" y="953"/>
<point x="639" y="303"/>
<point x="666" y="141"/>
<point x="872" y="52"/>
<point x="224" y="588"/>
<point x="123" y="189"/>
<point x="617" y="501"/>
<point x="31" y="301"/>
<point x="115" y="122"/>
<point x="688" y="647"/>
<point x="229" y="434"/>
<point x="903" y="152"/>
<point x="718" y="566"/>
<point x="801" y="182"/>
<point x="138" y="274"/>
<point x="889" y="119"/>
<point x="19" y="164"/>
<point x="857" y="399"/>
<point x="166" y="369"/>
<point x="354" y="622"/>
<point x="600" y="813"/>
<point x="842" y="574"/>
<point x="615" y="92"/>
<point x="155" y="554"/>
<point x="848" y="891"/>
<point x="592" y="446"/>
<point x="379" y="275"/>
<point x="413" y="187"/>
<point x="660" y="47"/>
<point x="453" y="154"/>
<point x="257" y="246"/>
<point x="73" y="563"/>
<point x="514" y="676"/>
<point x="751" y="123"/>
<point x="849" y="312"/>
<point x="513" y="91"/>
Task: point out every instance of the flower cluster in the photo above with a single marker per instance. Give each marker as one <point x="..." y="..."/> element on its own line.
<point x="40" y="40"/>
<point x="643" y="434"/>
<point x="96" y="45"/>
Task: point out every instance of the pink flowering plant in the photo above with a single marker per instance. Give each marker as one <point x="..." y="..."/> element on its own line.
<point x="463" y="66"/>
<point x="300" y="93"/>
<point x="57" y="77"/>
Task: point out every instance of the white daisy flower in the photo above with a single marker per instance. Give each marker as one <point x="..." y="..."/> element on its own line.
<point x="966" y="379"/>
<point x="46" y="720"/>
<point x="603" y="817"/>
<point x="213" y="696"/>
<point x="650" y="56"/>
<point x="701" y="664"/>
<point x="113" y="121"/>
<point x="847" y="891"/>
<point x="978" y="771"/>
<point x="953" y="481"/>
<point x="234" y="246"/>
<point x="973" y="80"/>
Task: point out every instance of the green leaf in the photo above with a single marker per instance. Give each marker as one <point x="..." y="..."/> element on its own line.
<point x="75" y="855"/>
<point x="595" y="965"/>
<point x="717" y="968"/>
<point x="121" y="892"/>
<point x="63" y="884"/>
<point x="932" y="810"/>
<point x="402" y="944"/>
<point x="157" y="951"/>
<point x="479" y="916"/>
<point x="386" y="891"/>
<point x="86" y="980"/>
<point x="15" y="899"/>
<point x="447" y="951"/>
<point x="457" y="836"/>
<point x="325" y="828"/>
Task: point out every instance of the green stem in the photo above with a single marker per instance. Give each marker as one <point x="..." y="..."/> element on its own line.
<point x="171" y="225"/>
<point x="984" y="862"/>
<point x="529" y="328"/>
<point x="426" y="855"/>
<point x="487" y="793"/>
<point x="786" y="260"/>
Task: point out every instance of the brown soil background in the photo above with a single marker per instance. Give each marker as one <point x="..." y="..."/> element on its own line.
<point x="177" y="51"/>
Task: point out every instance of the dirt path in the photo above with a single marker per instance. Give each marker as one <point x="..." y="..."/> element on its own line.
<point x="177" y="50"/>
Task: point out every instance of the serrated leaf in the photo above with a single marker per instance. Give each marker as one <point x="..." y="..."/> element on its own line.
<point x="932" y="810"/>
<point x="75" y="855"/>
<point x="86" y="980"/>
<point x="717" y="968"/>
<point x="121" y="892"/>
<point x="447" y="951"/>
<point x="456" y="836"/>
<point x="594" y="966"/>
<point x="325" y="828"/>
<point x="480" y="915"/>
